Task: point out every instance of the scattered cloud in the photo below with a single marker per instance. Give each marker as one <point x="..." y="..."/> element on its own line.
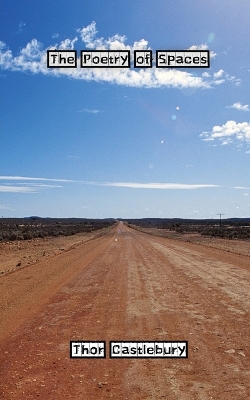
<point x="86" y="110"/>
<point x="67" y="44"/>
<point x="242" y="187"/>
<point x="4" y="207"/>
<point x="228" y="132"/>
<point x="239" y="106"/>
<point x="116" y="42"/>
<point x="228" y="49"/>
<point x="33" y="59"/>
<point x="72" y="157"/>
<point x="203" y="47"/>
<point x="21" y="25"/>
<point x="221" y="76"/>
<point x="55" y="35"/>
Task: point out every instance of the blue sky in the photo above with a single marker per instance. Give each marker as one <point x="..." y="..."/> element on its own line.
<point x="128" y="143"/>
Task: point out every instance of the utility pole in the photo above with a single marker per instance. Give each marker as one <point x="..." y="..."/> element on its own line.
<point x="220" y="219"/>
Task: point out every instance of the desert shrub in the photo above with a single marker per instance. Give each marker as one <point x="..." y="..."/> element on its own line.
<point x="243" y="235"/>
<point x="5" y="235"/>
<point x="40" y="235"/>
<point x="24" y="229"/>
<point x="27" y="236"/>
<point x="13" y="236"/>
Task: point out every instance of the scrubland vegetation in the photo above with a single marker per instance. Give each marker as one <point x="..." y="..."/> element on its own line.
<point x="34" y="227"/>
<point x="228" y="229"/>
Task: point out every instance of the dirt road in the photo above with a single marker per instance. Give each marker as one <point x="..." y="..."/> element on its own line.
<point x="127" y="285"/>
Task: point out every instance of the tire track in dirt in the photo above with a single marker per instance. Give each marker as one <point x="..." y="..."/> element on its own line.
<point x="23" y="291"/>
<point x="132" y="286"/>
<point x="215" y="313"/>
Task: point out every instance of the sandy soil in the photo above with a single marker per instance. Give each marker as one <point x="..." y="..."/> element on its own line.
<point x="239" y="247"/>
<point x="18" y="254"/>
<point x="127" y="285"/>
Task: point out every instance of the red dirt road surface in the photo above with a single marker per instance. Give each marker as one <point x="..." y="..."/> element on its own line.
<point x="127" y="285"/>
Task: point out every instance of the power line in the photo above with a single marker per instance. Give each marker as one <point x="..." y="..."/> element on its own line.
<point x="220" y="219"/>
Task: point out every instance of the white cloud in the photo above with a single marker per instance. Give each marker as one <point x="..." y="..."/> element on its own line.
<point x="27" y="178"/>
<point x="136" y="185"/>
<point x="67" y="44"/>
<point x="242" y="187"/>
<point x="88" y="36"/>
<point x="228" y="132"/>
<point x="27" y="184"/>
<point x="219" y="74"/>
<point x="219" y="81"/>
<point x="33" y="58"/>
<point x="17" y="189"/>
<point x="116" y="42"/>
<point x="239" y="106"/>
<point x="41" y="185"/>
<point x="203" y="47"/>
<point x="26" y="188"/>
